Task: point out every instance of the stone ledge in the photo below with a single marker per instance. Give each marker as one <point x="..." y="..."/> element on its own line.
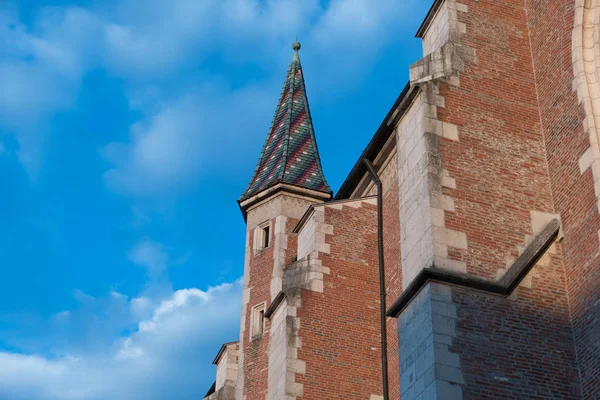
<point x="505" y="286"/>
<point x="442" y="64"/>
<point x="305" y="274"/>
<point x="227" y="392"/>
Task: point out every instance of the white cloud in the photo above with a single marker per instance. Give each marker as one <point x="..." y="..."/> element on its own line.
<point x="150" y="40"/>
<point x="167" y="361"/>
<point x="151" y="255"/>
<point x="168" y="152"/>
<point x="40" y="73"/>
<point x="170" y="149"/>
<point x="155" y="46"/>
<point x="163" y="153"/>
<point x="141" y="307"/>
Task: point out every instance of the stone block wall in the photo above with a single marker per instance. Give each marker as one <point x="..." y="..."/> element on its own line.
<point x="227" y="392"/>
<point x="427" y="329"/>
<point x="438" y="32"/>
<point x="415" y="201"/>
<point x="227" y="367"/>
<point x="278" y="354"/>
<point x="306" y="239"/>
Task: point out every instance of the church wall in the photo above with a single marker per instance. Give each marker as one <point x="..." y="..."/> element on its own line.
<point x="256" y="349"/>
<point x="416" y="238"/>
<point x="518" y="347"/>
<point x="502" y="196"/>
<point x="388" y="173"/>
<point x="557" y="45"/>
<point x="392" y="256"/>
<point x="496" y="143"/>
<point x="386" y="165"/>
<point x="497" y="159"/>
<point x="278" y="354"/>
<point x="227" y="367"/>
<point x="438" y="31"/>
<point x="489" y="186"/>
<point x="339" y="325"/>
<point x="307" y="241"/>
<point x="263" y="276"/>
<point x="393" y="276"/>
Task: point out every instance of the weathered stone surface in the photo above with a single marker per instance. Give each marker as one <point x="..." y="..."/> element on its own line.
<point x="428" y="368"/>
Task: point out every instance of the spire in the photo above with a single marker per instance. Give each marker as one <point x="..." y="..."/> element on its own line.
<point x="290" y="153"/>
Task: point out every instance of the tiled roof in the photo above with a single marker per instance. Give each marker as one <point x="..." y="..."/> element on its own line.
<point x="290" y="153"/>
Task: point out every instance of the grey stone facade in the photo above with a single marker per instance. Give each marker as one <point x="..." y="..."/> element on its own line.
<point x="426" y="327"/>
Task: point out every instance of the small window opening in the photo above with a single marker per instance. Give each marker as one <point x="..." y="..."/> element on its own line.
<point x="258" y="320"/>
<point x="266" y="237"/>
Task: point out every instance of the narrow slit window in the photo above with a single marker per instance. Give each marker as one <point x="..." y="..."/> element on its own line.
<point x="266" y="237"/>
<point x="261" y="320"/>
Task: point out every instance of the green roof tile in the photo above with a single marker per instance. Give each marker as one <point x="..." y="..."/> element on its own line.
<point x="290" y="153"/>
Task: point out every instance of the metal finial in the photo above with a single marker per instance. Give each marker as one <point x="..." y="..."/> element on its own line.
<point x="296" y="45"/>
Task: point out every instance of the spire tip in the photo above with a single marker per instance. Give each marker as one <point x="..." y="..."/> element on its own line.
<point x="296" y="45"/>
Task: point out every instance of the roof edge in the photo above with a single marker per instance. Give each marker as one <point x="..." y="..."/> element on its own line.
<point x="211" y="390"/>
<point x="275" y="304"/>
<point x="311" y="209"/>
<point x="222" y="350"/>
<point x="378" y="140"/>
<point x="428" y="18"/>
<point x="504" y="287"/>
<point x="246" y="204"/>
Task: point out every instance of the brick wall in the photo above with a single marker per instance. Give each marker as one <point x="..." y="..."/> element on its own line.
<point x="255" y="350"/>
<point x="508" y="349"/>
<point x="393" y="277"/>
<point x="495" y="171"/>
<point x="498" y="161"/>
<point x="551" y="24"/>
<point x="518" y="347"/>
<point x="263" y="276"/>
<point x="339" y="328"/>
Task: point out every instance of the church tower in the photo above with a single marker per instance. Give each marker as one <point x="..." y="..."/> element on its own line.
<point x="488" y="165"/>
<point x="288" y="179"/>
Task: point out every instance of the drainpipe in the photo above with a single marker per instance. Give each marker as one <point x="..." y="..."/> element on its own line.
<point x="384" y="363"/>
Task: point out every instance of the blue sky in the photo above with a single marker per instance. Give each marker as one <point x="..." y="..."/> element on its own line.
<point x="128" y="130"/>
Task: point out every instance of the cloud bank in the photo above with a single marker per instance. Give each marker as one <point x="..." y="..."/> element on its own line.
<point x="163" y="52"/>
<point x="163" y="358"/>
